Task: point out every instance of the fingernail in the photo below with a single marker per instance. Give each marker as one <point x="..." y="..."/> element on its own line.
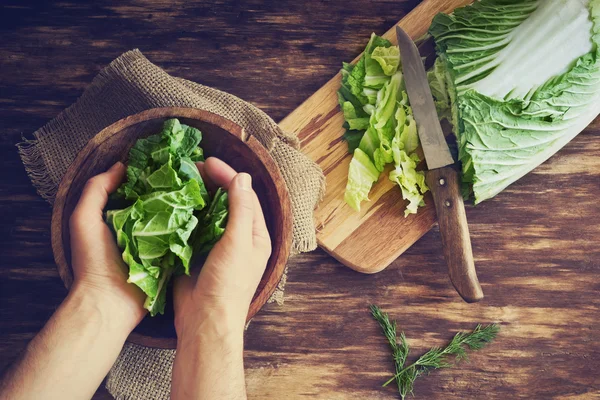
<point x="245" y="181"/>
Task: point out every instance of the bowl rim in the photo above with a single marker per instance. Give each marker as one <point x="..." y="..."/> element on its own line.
<point x="279" y="255"/>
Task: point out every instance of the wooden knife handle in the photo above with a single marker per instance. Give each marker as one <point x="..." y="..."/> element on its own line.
<point x="452" y="219"/>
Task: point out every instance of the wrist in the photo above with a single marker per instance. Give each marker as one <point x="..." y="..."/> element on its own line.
<point x="210" y="323"/>
<point x="106" y="310"/>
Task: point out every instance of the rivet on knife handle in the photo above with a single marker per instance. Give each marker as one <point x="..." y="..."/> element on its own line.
<point x="452" y="219"/>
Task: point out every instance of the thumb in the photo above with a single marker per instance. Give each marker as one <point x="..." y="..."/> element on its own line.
<point x="241" y="209"/>
<point x="95" y="193"/>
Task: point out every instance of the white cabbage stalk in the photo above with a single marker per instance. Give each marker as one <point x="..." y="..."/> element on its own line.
<point x="523" y="79"/>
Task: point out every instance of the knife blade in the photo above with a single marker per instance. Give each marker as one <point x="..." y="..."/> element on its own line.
<point x="435" y="148"/>
<point x="441" y="177"/>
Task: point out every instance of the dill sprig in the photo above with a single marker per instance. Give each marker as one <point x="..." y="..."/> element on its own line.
<point x="435" y="358"/>
<point x="399" y="350"/>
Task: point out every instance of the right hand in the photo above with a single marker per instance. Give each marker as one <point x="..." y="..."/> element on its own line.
<point x="226" y="284"/>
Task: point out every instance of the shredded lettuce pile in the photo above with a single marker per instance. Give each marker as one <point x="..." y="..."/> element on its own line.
<point x="380" y="126"/>
<point x="518" y="79"/>
<point x="171" y="215"/>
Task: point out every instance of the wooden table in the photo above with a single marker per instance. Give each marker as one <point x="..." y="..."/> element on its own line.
<point x="536" y="245"/>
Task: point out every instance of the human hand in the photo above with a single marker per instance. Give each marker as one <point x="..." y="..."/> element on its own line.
<point x="226" y="284"/>
<point x="98" y="268"/>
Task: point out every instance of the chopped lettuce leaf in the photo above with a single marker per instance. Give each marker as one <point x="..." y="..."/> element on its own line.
<point x="411" y="181"/>
<point x="388" y="58"/>
<point x="369" y="142"/>
<point x="383" y="120"/>
<point x="351" y="117"/>
<point x="406" y="137"/>
<point x="164" y="177"/>
<point x="356" y="80"/>
<point x="390" y="95"/>
<point x="353" y="138"/>
<point x="388" y="124"/>
<point x="405" y="142"/>
<point x="189" y="171"/>
<point x="213" y="223"/>
<point x="375" y="77"/>
<point x="361" y="176"/>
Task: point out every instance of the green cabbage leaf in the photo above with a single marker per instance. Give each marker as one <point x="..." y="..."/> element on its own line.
<point x="518" y="80"/>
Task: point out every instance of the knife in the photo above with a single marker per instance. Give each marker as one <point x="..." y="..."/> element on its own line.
<point x="441" y="177"/>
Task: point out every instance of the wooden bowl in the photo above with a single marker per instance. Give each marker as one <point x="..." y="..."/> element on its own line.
<point x="220" y="138"/>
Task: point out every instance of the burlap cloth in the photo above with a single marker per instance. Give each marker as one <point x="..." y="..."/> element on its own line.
<point x="131" y="84"/>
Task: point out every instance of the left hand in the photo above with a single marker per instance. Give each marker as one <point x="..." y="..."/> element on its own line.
<point x="98" y="268"/>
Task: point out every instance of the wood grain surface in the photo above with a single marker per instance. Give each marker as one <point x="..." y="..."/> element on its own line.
<point x="535" y="245"/>
<point x="348" y="235"/>
<point x="220" y="138"/>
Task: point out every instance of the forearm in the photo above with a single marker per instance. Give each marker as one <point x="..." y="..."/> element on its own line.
<point x="209" y="360"/>
<point x="71" y="354"/>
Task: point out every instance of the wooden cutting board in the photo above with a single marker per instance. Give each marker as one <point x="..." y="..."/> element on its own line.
<point x="369" y="240"/>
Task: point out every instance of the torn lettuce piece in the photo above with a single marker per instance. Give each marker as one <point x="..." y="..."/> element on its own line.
<point x="405" y="142"/>
<point x="179" y="243"/>
<point x="351" y="116"/>
<point x="375" y="77"/>
<point x="369" y="142"/>
<point x="139" y="159"/>
<point x="189" y="171"/>
<point x="355" y="81"/>
<point x="156" y="304"/>
<point x="388" y="58"/>
<point x="406" y="137"/>
<point x="182" y="139"/>
<point x="361" y="176"/>
<point x="213" y="223"/>
<point x="188" y="197"/>
<point x="353" y="139"/>
<point x="411" y="182"/>
<point x="139" y="276"/>
<point x="383" y="119"/>
<point x="165" y="177"/>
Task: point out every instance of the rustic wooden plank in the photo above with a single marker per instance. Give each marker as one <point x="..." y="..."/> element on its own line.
<point x="535" y="245"/>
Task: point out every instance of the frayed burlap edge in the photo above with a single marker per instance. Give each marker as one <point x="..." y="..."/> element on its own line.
<point x="32" y="158"/>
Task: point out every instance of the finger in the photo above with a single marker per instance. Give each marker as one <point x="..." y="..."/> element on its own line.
<point x="219" y="172"/>
<point x="200" y="166"/>
<point x="241" y="209"/>
<point x="210" y="185"/>
<point x="260" y="233"/>
<point x="96" y="190"/>
<point x="223" y="174"/>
